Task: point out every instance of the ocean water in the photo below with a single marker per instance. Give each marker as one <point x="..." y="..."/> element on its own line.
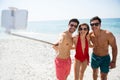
<point x="49" y="30"/>
<point x="56" y="27"/>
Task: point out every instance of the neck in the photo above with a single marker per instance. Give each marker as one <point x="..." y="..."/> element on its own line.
<point x="82" y="36"/>
<point x="69" y="33"/>
<point x="97" y="33"/>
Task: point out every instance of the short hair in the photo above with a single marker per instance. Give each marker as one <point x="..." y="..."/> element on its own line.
<point x="84" y="24"/>
<point x="74" y="20"/>
<point x="95" y="18"/>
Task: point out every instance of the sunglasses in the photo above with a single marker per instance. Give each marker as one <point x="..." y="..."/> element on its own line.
<point x="94" y="24"/>
<point x="72" y="25"/>
<point x="85" y="29"/>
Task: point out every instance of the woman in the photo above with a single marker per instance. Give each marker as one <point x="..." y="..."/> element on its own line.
<point x="82" y="47"/>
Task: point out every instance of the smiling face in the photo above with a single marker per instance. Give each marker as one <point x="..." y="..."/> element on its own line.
<point x="72" y="27"/>
<point x="83" y="29"/>
<point x="95" y="25"/>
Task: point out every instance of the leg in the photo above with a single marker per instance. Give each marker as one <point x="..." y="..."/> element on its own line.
<point x="104" y="67"/>
<point x="76" y="69"/>
<point x="60" y="69"/>
<point x="82" y="69"/>
<point x="60" y="72"/>
<point x="95" y="74"/>
<point x="103" y="76"/>
<point x="95" y="65"/>
<point x="68" y="68"/>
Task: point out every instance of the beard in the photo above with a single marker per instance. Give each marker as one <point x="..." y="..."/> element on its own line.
<point x="71" y="30"/>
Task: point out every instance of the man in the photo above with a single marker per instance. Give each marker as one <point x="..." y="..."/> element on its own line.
<point x="101" y="40"/>
<point x="63" y="47"/>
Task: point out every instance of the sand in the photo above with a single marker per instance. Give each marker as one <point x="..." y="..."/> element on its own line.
<point x="24" y="59"/>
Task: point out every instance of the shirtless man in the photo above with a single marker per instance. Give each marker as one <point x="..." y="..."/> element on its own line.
<point x="101" y="40"/>
<point x="62" y="48"/>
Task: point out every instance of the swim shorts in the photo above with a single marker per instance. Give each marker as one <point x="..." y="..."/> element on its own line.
<point x="100" y="61"/>
<point x="63" y="67"/>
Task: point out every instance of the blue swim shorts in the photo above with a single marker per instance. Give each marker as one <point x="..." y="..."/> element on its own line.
<point x="100" y="61"/>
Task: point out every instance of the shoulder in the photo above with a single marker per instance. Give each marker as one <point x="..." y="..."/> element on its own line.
<point x="91" y="34"/>
<point x="62" y="34"/>
<point x="109" y="35"/>
<point x="75" y="37"/>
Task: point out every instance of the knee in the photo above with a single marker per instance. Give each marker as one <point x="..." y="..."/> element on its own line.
<point x="76" y="77"/>
<point x="95" y="73"/>
<point x="82" y="71"/>
<point x="103" y="77"/>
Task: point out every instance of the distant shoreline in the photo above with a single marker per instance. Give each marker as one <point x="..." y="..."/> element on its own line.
<point x="67" y="19"/>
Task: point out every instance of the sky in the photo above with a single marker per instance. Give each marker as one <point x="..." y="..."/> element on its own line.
<point x="39" y="10"/>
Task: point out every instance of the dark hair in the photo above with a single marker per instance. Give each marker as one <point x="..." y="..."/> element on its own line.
<point x="95" y="18"/>
<point x="84" y="24"/>
<point x="74" y="20"/>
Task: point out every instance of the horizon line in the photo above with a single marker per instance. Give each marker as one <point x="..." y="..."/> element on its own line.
<point x="71" y="18"/>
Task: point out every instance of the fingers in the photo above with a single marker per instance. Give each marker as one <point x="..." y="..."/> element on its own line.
<point x="112" y="65"/>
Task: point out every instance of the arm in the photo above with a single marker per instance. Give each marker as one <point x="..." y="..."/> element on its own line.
<point x="89" y="41"/>
<point x="56" y="45"/>
<point x="75" y="38"/>
<point x="112" y="42"/>
<point x="91" y="45"/>
<point x="73" y="47"/>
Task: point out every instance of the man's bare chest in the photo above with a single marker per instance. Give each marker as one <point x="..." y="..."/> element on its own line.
<point x="100" y="41"/>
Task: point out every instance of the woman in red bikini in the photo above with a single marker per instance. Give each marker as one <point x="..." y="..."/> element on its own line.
<point x="82" y="47"/>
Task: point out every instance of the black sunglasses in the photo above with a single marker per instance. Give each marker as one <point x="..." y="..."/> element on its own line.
<point x="85" y="29"/>
<point x="72" y="25"/>
<point x="96" y="24"/>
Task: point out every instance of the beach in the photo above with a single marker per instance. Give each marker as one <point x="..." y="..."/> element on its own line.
<point x="25" y="59"/>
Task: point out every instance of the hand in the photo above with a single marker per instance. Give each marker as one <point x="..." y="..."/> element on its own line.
<point x="112" y="65"/>
<point x="55" y="46"/>
<point x="88" y="37"/>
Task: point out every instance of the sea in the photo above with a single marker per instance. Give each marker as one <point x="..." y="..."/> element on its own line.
<point x="50" y="30"/>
